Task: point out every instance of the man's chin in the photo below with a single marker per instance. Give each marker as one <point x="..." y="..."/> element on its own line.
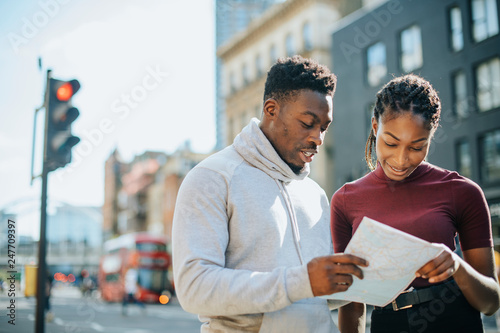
<point x="296" y="169"/>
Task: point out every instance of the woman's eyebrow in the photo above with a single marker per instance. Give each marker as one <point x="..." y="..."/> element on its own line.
<point x="396" y="138"/>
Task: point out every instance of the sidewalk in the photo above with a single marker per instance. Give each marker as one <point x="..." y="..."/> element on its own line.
<point x="21" y="302"/>
<point x="66" y="291"/>
<point x="69" y="292"/>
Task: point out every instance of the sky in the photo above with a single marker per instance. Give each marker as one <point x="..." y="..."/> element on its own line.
<point x="146" y="70"/>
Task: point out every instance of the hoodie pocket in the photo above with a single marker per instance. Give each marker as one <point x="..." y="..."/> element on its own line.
<point x="308" y="315"/>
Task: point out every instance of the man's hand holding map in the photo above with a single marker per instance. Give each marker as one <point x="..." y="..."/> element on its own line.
<point x="394" y="257"/>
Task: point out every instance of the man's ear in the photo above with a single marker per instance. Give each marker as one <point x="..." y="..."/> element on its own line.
<point x="271" y="108"/>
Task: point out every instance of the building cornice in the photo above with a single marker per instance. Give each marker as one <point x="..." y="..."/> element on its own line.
<point x="358" y="14"/>
<point x="266" y="23"/>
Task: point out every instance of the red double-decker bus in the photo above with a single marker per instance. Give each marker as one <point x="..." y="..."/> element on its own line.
<point x="146" y="253"/>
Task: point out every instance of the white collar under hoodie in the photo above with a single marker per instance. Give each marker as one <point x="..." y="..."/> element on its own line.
<point x="245" y="226"/>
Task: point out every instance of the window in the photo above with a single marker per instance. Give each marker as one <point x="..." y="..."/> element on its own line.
<point x="230" y="126"/>
<point x="152" y="279"/>
<point x="489" y="146"/>
<point x="484" y="19"/>
<point x="411" y="49"/>
<point x="243" y="120"/>
<point x="460" y="99"/>
<point x="273" y="54"/>
<point x="258" y="66"/>
<point x="488" y="85"/>
<point x="307" y="36"/>
<point x="464" y="160"/>
<point x="290" y="45"/>
<point x="245" y="74"/>
<point x="112" y="277"/>
<point x="232" y="83"/>
<point x="150" y="247"/>
<point x="122" y="222"/>
<point x="457" y="34"/>
<point x="376" y="60"/>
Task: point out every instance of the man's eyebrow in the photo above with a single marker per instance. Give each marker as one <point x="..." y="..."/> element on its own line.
<point x="396" y="138"/>
<point x="310" y="113"/>
<point x="314" y="115"/>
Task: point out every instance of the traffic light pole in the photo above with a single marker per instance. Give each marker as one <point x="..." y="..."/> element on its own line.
<point x="42" y="264"/>
<point x="58" y="141"/>
<point x="41" y="296"/>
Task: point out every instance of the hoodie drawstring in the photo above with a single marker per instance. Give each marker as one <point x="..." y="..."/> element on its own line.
<point x="293" y="218"/>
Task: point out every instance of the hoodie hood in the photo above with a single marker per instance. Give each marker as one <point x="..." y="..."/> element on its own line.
<point x="256" y="149"/>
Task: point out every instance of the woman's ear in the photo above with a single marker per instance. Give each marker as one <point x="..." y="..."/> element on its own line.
<point x="374" y="126"/>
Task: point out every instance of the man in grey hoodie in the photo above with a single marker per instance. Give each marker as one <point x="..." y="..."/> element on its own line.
<point x="251" y="232"/>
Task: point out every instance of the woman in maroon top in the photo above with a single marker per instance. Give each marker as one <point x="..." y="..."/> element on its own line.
<point x="431" y="203"/>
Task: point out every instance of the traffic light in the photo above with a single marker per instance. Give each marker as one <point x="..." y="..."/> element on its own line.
<point x="60" y="115"/>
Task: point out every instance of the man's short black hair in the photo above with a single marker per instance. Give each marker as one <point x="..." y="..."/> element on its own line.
<point x="290" y="75"/>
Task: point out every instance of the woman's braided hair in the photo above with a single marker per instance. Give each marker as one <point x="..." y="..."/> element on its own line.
<point x="409" y="93"/>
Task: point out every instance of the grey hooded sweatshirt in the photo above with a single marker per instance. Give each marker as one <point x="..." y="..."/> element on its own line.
<point x="245" y="227"/>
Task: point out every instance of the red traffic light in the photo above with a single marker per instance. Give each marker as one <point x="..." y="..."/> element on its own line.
<point x="60" y="114"/>
<point x="67" y="90"/>
<point x="64" y="92"/>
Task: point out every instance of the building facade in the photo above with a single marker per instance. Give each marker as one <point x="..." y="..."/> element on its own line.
<point x="133" y="196"/>
<point x="293" y="27"/>
<point x="141" y="195"/>
<point x="454" y="44"/>
<point x="114" y="168"/>
<point x="231" y="17"/>
<point x="126" y="188"/>
<point x="163" y="193"/>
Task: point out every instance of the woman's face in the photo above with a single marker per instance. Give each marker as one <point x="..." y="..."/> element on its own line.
<point x="402" y="143"/>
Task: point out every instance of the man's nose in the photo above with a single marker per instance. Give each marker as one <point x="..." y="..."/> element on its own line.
<point x="317" y="136"/>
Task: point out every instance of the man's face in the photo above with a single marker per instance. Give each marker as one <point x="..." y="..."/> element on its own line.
<point x="299" y="127"/>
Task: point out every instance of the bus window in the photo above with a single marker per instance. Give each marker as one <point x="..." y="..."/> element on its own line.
<point x="151" y="247"/>
<point x="153" y="279"/>
<point x="113" y="277"/>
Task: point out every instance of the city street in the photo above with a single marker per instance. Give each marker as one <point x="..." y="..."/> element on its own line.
<point x="75" y="314"/>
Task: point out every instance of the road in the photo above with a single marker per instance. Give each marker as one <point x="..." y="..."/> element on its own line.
<point x="74" y="314"/>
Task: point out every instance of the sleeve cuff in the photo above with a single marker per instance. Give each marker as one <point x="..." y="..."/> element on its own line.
<point x="297" y="283"/>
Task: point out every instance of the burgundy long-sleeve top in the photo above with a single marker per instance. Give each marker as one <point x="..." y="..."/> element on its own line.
<point x="432" y="203"/>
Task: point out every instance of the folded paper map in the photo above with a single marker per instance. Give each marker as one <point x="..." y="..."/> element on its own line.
<point x="393" y="256"/>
